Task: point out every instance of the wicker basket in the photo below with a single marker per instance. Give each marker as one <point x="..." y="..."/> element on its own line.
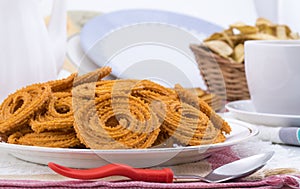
<point x="221" y="76"/>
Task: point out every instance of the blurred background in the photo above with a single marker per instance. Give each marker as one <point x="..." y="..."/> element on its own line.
<point x="221" y="12"/>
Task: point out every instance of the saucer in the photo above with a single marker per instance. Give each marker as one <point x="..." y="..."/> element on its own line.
<point x="244" y="110"/>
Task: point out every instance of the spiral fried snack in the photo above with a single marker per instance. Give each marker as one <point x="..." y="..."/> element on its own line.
<point x="180" y="119"/>
<point x="144" y="89"/>
<point x="115" y="119"/>
<point x="66" y="84"/>
<point x="57" y="115"/>
<point x="189" y="98"/>
<point x="188" y="125"/>
<point x="56" y="139"/>
<point x="3" y="137"/>
<point x="107" y="111"/>
<point x="89" y="91"/>
<point x="19" y="107"/>
<point x="94" y="76"/>
<point x="150" y="91"/>
<point x="21" y="132"/>
<point x="63" y="84"/>
<point x="110" y="114"/>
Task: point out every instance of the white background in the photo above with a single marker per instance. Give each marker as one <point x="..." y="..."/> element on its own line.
<point x="221" y="12"/>
<point x="217" y="11"/>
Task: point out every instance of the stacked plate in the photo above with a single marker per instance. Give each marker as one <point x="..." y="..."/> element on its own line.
<point x="142" y="44"/>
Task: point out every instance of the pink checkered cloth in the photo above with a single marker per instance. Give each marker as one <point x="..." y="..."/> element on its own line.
<point x="271" y="182"/>
<point x="215" y="160"/>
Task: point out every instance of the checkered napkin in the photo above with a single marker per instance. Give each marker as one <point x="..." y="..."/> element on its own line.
<point x="201" y="168"/>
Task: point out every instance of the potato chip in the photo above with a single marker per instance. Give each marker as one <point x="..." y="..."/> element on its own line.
<point x="260" y="36"/>
<point x="228" y="32"/>
<point x="228" y="39"/>
<point x="243" y="28"/>
<point x="287" y="29"/>
<point x="238" y="53"/>
<point x="226" y="36"/>
<point x="263" y="21"/>
<point x="271" y="30"/>
<point x="219" y="47"/>
<point x="248" y="29"/>
<point x="230" y="42"/>
<point x="281" y="32"/>
<point x="215" y="36"/>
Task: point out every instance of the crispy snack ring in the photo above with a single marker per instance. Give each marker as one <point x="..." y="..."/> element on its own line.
<point x="66" y="84"/>
<point x="91" y="90"/>
<point x="145" y="89"/>
<point x="116" y="120"/>
<point x="63" y="84"/>
<point x="3" y="137"/>
<point x="188" y="125"/>
<point x="47" y="139"/>
<point x="21" y="132"/>
<point x="156" y="90"/>
<point x="19" y="107"/>
<point x="153" y="94"/>
<point x="57" y="115"/>
<point x="189" y="98"/>
<point x="124" y="85"/>
<point x="94" y="76"/>
<point x="84" y="91"/>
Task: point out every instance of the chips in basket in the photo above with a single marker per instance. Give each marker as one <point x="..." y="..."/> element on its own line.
<point x="230" y="42"/>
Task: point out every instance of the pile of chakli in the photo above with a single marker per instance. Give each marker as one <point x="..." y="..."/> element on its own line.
<point x="42" y="114"/>
<point x="87" y="112"/>
<point x="229" y="43"/>
<point x="116" y="114"/>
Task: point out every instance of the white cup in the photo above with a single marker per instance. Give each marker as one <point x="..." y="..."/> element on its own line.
<point x="273" y="75"/>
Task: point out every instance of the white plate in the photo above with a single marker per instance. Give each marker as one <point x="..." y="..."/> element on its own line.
<point x="244" y="110"/>
<point x="147" y="44"/>
<point x="86" y="158"/>
<point x="98" y="27"/>
<point x="76" y="55"/>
